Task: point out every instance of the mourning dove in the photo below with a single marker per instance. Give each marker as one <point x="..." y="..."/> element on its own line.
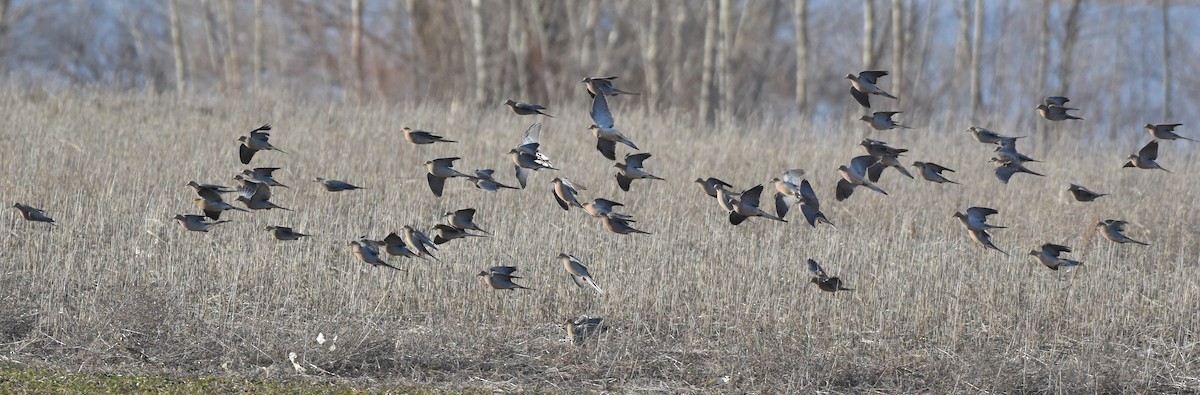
<point x="423" y="137"/>
<point x="976" y="218"/>
<point x="584" y="328"/>
<point x="989" y="137"/>
<point x="632" y="170"/>
<point x="463" y="219"/>
<point x="855" y="175"/>
<point x="864" y="84"/>
<point x="210" y="191"/>
<point x="1007" y="151"/>
<point x="882" y="120"/>
<point x="526" y="108"/>
<point x="1052" y="108"/>
<point x="1005" y="169"/>
<point x="823" y="281"/>
<point x="196" y="223"/>
<point x="984" y="239"/>
<point x="566" y="193"/>
<point x="484" y="180"/>
<point x="366" y="252"/>
<point x="336" y="185"/>
<point x="438" y="171"/>
<point x="394" y="245"/>
<point x="619" y="225"/>
<point x="285" y="233"/>
<point x="256" y="141"/>
<point x="607" y="136"/>
<point x="747" y="207"/>
<point x="603" y="84"/>
<point x="578" y="272"/>
<point x="810" y="206"/>
<point x="256" y="196"/>
<point x="884" y="162"/>
<point x="33" y="214"/>
<point x="1165" y="131"/>
<point x="710" y="185"/>
<point x="265" y="175"/>
<point x="603" y="207"/>
<point x="1112" y="230"/>
<point x="933" y="172"/>
<point x="1048" y="256"/>
<point x="500" y="277"/>
<point x="445" y="233"/>
<point x="417" y="242"/>
<point x="880" y="149"/>
<point x="213" y="208"/>
<point x="1083" y="194"/>
<point x="787" y="190"/>
<point x="1145" y="158"/>
<point x="528" y="156"/>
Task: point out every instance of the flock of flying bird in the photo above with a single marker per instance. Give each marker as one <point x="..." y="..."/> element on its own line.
<point x="791" y="189"/>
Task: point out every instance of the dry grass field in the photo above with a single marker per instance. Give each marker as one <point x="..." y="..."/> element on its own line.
<point x="118" y="286"/>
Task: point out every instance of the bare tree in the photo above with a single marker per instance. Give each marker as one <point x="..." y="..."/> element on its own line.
<point x="898" y="47"/>
<point x="976" y="67"/>
<point x="724" y="95"/>
<point x="233" y="76"/>
<point x="650" y="56"/>
<point x="707" y="79"/>
<point x="868" y="49"/>
<point x="257" y="55"/>
<point x="517" y="46"/>
<point x="1068" y="48"/>
<point x="479" y="53"/>
<point x="356" y="49"/>
<point x="181" y="71"/>
<point x="679" y="75"/>
<point x="1166" y="63"/>
<point x="962" y="47"/>
<point x="800" y="21"/>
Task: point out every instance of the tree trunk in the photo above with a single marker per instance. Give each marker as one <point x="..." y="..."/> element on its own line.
<point x="356" y="50"/>
<point x="479" y="53"/>
<point x="724" y="95"/>
<point x="707" y="98"/>
<point x="678" y="59"/>
<point x="1166" y="63"/>
<point x="976" y="49"/>
<point x="650" y="57"/>
<point x="516" y="45"/>
<point x="1068" y="48"/>
<point x="257" y="56"/>
<point x="800" y="21"/>
<point x="898" y="48"/>
<point x="868" y="52"/>
<point x="962" y="47"/>
<point x="181" y="71"/>
<point x="212" y="39"/>
<point x="232" y="74"/>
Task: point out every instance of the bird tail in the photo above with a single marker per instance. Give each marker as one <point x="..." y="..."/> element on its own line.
<point x="888" y="95"/>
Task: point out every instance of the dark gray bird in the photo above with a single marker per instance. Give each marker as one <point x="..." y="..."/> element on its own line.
<point x="418" y="242"/>
<point x="823" y="281"/>
<point x="879" y="148"/>
<point x="1165" y="131"/>
<point x="619" y="225"/>
<point x="34" y="214"/>
<point x="607" y="136"/>
<point x="710" y="185"/>
<point x="336" y="185"/>
<point x="285" y="233"/>
<point x="485" y="180"/>
<point x="863" y="85"/>
<point x="213" y="208"/>
<point x="632" y="170"/>
<point x="855" y="175"/>
<point x="933" y="172"/>
<point x="884" y="162"/>
<point x="1048" y="256"/>
<point x="605" y="85"/>
<point x="1006" y="169"/>
<point x="256" y="141"/>
<point x="747" y="206"/>
<point x="1083" y="194"/>
<point x="787" y="190"/>
<point x="439" y="170"/>
<point x="366" y="251"/>
<point x="422" y="137"/>
<point x="526" y="108"/>
<point x="445" y="233"/>
<point x="584" y="328"/>
<point x="1053" y="108"/>
<point x="810" y="206"/>
<point x="500" y="277"/>
<point x="196" y="223"/>
<point x="394" y="245"/>
<point x="1146" y="157"/>
<point x="1113" y="229"/>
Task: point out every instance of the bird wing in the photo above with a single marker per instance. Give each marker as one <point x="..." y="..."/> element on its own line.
<point x="1055" y="100"/>
<point x="793" y="176"/>
<point x="860" y="164"/>
<point x="816" y="270"/>
<point x="980" y="214"/>
<point x="636" y="160"/>
<point x="875" y="170"/>
<point x="871" y="76"/>
<point x="245" y="154"/>
<point x="1005" y="172"/>
<point x="810" y="196"/>
<point x="861" y="97"/>
<point x="466" y="214"/>
<point x="436" y="184"/>
<point x="601" y="115"/>
<point x="522" y="176"/>
<point x="533" y="134"/>
<point x="1150" y="151"/>
<point x="608" y="148"/>
<point x="1055" y="249"/>
<point x="751" y="196"/>
<point x="623" y="182"/>
<point x="844" y="190"/>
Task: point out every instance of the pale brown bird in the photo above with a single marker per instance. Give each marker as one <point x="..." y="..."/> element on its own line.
<point x="422" y="137"/>
<point x="880" y="149"/>
<point x="976" y="218"/>
<point x="265" y="175"/>
<point x="747" y="207"/>
<point x="882" y="120"/>
<point x="213" y="208"/>
<point x="336" y="185"/>
<point x="438" y="171"/>
<point x="1112" y="230"/>
<point x="619" y="225"/>
<point x="710" y="185"/>
<point x="584" y="328"/>
<point x="566" y="193"/>
<point x="365" y="251"/>
<point x="603" y="207"/>
<point x="1007" y="151"/>
<point x="933" y="172"/>
<point x="210" y="191"/>
<point x="632" y="170"/>
<point x="484" y="180"/>
<point x="989" y="137"/>
<point x="607" y="135"/>
<point x="196" y="223"/>
<point x="501" y="277"/>
<point x="787" y="190"/>
<point x="1083" y="194"/>
<point x="285" y="233"/>
<point x="605" y="85"/>
<point x="1053" y="108"/>
<point x="418" y="242"/>
<point x="33" y="214"/>
<point x="578" y="272"/>
<point x="521" y="108"/>
<point x="463" y="219"/>
<point x="394" y="245"/>
<point x="1048" y="256"/>
<point x="528" y="157"/>
<point x="445" y="233"/>
<point x="1165" y="131"/>
<point x="1146" y="157"/>
<point x="855" y="175"/>
<point x="256" y="141"/>
<point x="823" y="281"/>
<point x="256" y="196"/>
<point x="863" y="85"/>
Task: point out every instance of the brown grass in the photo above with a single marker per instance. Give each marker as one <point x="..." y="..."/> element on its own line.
<point x="120" y="287"/>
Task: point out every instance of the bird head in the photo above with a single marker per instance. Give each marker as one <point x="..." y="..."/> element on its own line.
<point x="918" y="164"/>
<point x="849" y="76"/>
<point x="1149" y="126"/>
<point x="483" y="273"/>
<point x="270" y="227"/>
<point x="1034" y="252"/>
<point x="865" y="118"/>
<point x="509" y="102"/>
<point x="241" y="138"/>
<point x="958" y="215"/>
<point x="180" y="217"/>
